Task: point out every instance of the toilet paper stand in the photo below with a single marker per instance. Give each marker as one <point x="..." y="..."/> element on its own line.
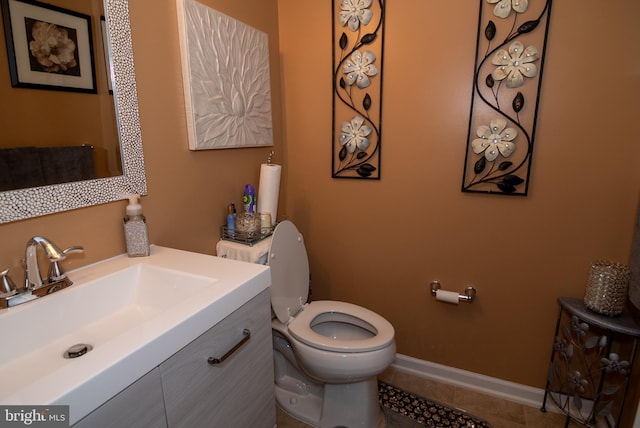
<point x="468" y="296"/>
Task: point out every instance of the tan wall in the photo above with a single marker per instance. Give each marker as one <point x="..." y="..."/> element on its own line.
<point x="188" y="191"/>
<point x="380" y="243"/>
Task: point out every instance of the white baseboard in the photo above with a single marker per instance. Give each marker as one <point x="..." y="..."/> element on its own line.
<point x="492" y="386"/>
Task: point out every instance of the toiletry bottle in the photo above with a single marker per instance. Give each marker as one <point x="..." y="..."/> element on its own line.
<point x="249" y="198"/>
<point x="135" y="229"/>
<point x="231" y="219"/>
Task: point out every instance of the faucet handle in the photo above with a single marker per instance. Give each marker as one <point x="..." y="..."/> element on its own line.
<point x="7" y="286"/>
<point x="56" y="273"/>
<point x="73" y="249"/>
<point x="61" y="255"/>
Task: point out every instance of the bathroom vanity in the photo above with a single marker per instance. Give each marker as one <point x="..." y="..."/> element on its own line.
<point x="173" y="339"/>
<point x="187" y="391"/>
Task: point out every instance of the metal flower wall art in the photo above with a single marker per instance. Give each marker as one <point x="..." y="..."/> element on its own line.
<point x="358" y="28"/>
<point x="512" y="37"/>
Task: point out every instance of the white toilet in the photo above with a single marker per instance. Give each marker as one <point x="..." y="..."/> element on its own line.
<point x="327" y="354"/>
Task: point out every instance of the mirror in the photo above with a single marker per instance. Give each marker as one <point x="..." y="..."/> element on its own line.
<point x="37" y="201"/>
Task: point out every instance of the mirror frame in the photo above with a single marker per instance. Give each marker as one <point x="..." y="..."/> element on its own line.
<point x="37" y="201"/>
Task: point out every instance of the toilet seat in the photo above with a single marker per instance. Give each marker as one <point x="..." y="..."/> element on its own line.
<point x="289" y="292"/>
<point x="301" y="327"/>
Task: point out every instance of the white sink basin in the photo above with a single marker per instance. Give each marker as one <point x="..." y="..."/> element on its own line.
<point x="133" y="312"/>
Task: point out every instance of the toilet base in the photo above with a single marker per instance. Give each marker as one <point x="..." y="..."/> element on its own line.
<point x="353" y="405"/>
<point x="323" y="405"/>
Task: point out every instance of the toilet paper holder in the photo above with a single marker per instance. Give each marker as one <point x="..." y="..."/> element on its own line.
<point x="468" y="296"/>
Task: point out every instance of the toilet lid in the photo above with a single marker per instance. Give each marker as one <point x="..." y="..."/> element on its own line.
<point x="289" y="271"/>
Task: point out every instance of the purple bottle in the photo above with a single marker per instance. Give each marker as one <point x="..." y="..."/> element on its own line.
<point x="249" y="198"/>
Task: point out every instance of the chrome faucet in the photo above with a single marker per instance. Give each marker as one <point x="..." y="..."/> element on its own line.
<point x="56" y="278"/>
<point x="34" y="285"/>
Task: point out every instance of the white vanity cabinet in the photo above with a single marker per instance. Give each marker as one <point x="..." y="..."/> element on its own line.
<point x="238" y="392"/>
<point x="187" y="390"/>
<point x="141" y="405"/>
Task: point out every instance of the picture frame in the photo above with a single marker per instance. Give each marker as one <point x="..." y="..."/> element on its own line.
<point x="27" y="23"/>
<point x="107" y="56"/>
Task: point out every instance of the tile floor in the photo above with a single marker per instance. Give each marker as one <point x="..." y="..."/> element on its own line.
<point x="499" y="413"/>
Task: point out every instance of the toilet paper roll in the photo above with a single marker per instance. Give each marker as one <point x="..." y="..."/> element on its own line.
<point x="269" y="190"/>
<point x="447" y="296"/>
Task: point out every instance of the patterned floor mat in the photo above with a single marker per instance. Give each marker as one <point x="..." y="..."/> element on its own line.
<point x="403" y="409"/>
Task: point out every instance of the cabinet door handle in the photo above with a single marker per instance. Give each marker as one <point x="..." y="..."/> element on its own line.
<point x="246" y="335"/>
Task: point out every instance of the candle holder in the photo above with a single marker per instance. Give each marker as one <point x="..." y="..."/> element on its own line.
<point x="607" y="287"/>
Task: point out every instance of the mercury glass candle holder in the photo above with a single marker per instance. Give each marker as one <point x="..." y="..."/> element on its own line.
<point x="607" y="287"/>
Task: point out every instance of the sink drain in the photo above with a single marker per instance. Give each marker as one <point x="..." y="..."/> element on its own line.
<point x="77" y="350"/>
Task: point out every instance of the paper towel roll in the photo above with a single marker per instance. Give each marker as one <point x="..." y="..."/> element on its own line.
<point x="269" y="190"/>
<point x="447" y="296"/>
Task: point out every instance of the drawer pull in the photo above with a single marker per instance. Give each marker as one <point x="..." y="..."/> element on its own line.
<point x="246" y="335"/>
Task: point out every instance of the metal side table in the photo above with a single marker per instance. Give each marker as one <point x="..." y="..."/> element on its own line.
<point x="590" y="365"/>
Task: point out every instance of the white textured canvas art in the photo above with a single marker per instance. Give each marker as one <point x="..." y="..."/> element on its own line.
<point x="225" y="69"/>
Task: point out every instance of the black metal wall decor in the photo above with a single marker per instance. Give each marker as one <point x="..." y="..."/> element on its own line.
<point x="358" y="28"/>
<point x="510" y="49"/>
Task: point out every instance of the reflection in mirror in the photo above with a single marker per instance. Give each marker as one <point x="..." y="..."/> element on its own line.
<point x="30" y="202"/>
<point x="58" y="117"/>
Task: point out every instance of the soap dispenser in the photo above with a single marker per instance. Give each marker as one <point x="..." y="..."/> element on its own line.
<point x="135" y="229"/>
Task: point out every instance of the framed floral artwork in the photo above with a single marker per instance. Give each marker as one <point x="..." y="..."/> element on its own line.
<point x="358" y="36"/>
<point x="507" y="81"/>
<point x="48" y="47"/>
<point x="226" y="80"/>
